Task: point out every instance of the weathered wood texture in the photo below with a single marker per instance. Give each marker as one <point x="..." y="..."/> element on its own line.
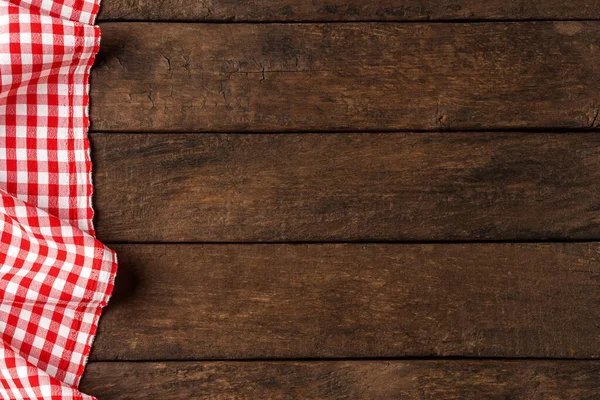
<point x="340" y="77"/>
<point x="414" y="379"/>
<point x="347" y="10"/>
<point x="186" y="302"/>
<point x="346" y="187"/>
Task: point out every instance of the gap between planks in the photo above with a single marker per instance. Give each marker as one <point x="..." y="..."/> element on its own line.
<point x="347" y="10"/>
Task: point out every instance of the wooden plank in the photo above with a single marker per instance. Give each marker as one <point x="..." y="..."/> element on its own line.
<point x="393" y="379"/>
<point x="347" y="187"/>
<point x="347" y="10"/>
<point x="344" y="77"/>
<point x="186" y="302"/>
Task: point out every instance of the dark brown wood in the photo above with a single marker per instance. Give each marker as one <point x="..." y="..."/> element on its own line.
<point x="347" y="10"/>
<point x="357" y="76"/>
<point x="414" y="379"/>
<point x="347" y="187"/>
<point x="176" y="302"/>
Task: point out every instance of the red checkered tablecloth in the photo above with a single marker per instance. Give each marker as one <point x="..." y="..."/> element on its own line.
<point x="55" y="277"/>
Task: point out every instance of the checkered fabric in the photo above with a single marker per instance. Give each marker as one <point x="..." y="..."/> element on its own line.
<point x="44" y="64"/>
<point x="55" y="277"/>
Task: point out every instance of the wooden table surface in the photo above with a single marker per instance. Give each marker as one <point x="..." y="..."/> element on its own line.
<point x="340" y="199"/>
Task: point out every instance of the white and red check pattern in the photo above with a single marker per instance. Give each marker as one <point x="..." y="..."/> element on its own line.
<point x="55" y="277"/>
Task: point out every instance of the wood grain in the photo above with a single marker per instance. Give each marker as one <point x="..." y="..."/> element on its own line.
<point x="199" y="302"/>
<point x="414" y="379"/>
<point x="346" y="77"/>
<point x="346" y="10"/>
<point x="346" y="187"/>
